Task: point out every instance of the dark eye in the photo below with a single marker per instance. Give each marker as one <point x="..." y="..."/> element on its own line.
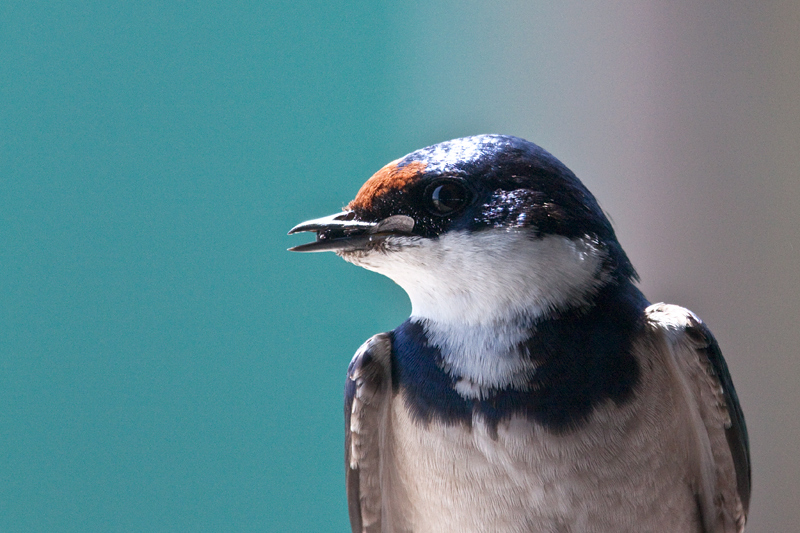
<point x="445" y="198"/>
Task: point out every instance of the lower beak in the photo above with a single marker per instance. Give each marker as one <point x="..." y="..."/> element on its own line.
<point x="342" y="232"/>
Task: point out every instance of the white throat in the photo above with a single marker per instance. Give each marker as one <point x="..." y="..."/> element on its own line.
<point x="477" y="294"/>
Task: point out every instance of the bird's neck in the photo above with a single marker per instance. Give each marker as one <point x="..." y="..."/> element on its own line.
<point x="553" y="369"/>
<point x="478" y="294"/>
<point x="484" y="356"/>
<point x="478" y="279"/>
<point x="506" y="350"/>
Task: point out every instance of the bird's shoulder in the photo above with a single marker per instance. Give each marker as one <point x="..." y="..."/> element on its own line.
<point x="700" y="365"/>
<point x="367" y="388"/>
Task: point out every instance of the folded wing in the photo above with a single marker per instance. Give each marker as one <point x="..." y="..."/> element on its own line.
<point x="367" y="395"/>
<point x="722" y="446"/>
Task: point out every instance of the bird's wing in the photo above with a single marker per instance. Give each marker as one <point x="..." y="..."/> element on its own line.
<point x="723" y="459"/>
<point x="367" y="392"/>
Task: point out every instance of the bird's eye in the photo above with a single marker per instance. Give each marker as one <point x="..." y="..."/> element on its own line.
<point x="445" y="198"/>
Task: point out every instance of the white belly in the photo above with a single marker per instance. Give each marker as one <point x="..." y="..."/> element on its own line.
<point x="525" y="479"/>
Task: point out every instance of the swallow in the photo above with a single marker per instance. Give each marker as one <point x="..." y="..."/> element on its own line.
<point x="533" y="388"/>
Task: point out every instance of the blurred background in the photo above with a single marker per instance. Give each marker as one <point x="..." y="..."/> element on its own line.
<point x="165" y="365"/>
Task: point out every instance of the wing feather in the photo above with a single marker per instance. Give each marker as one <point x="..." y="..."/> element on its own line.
<point x="724" y="469"/>
<point x="367" y="391"/>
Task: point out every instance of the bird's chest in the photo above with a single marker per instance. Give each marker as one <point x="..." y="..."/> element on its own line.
<point x="453" y="477"/>
<point x="523" y="478"/>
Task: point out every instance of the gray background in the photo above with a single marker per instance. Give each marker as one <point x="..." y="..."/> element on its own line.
<point x="166" y="366"/>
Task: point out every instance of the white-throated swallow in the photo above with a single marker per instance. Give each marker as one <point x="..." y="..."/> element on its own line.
<point x="533" y="388"/>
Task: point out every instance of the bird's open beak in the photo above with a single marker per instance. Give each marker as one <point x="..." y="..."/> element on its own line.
<point x="343" y="232"/>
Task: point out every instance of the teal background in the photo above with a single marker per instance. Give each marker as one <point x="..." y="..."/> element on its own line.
<point x="165" y="365"/>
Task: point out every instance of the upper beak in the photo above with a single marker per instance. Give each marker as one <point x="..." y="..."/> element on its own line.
<point x="343" y="232"/>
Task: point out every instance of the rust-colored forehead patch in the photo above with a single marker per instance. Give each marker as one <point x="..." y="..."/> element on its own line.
<point x="391" y="177"/>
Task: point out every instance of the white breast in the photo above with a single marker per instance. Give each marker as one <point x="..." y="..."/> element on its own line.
<point x="623" y="471"/>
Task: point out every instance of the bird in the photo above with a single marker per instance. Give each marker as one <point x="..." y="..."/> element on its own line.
<point x="533" y="388"/>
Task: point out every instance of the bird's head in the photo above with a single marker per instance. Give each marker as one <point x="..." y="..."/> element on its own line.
<point x="478" y="229"/>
